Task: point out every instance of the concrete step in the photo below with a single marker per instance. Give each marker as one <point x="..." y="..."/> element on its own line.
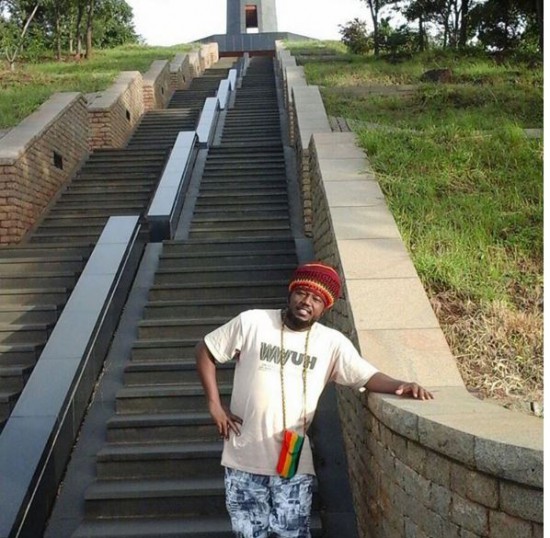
<point x="163" y="349"/>
<point x="155" y="498"/>
<point x="217" y="273"/>
<point x="228" y="307"/>
<point x="219" y="290"/>
<point x="13" y="378"/>
<point x="207" y="234"/>
<point x="31" y="279"/>
<point x="20" y="314"/>
<point x="177" y="461"/>
<point x="53" y="252"/>
<point x="51" y="264"/>
<point x="192" y="527"/>
<point x="69" y="236"/>
<point x="249" y="199"/>
<point x="25" y="354"/>
<point x="230" y="246"/>
<point x="165" y="399"/>
<point x="34" y="296"/>
<point x="231" y="259"/>
<point x="163" y="427"/>
<point x="163" y="372"/>
<point x="176" y="328"/>
<point x="8" y="399"/>
<point x="24" y="334"/>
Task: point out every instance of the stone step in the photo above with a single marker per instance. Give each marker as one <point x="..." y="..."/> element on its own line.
<point x="106" y="188"/>
<point x="207" y="198"/>
<point x="8" y="399"/>
<point x="36" y="333"/>
<point x="25" y="354"/>
<point x="224" y="308"/>
<point x="67" y="235"/>
<point x="165" y="398"/>
<point x="177" y="328"/>
<point x="29" y="279"/>
<point x="207" y="234"/>
<point x="219" y="290"/>
<point x="217" y="526"/>
<point x="162" y="349"/>
<point x="19" y="314"/>
<point x="176" y="461"/>
<point x="162" y="427"/>
<point x="10" y="265"/>
<point x="155" y="498"/>
<point x="34" y="296"/>
<point x="28" y="250"/>
<point x="230" y="246"/>
<point x="175" y="372"/>
<point x="237" y="273"/>
<point x="198" y="260"/>
<point x="14" y="377"/>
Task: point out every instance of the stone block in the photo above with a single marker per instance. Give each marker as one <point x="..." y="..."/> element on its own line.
<point x="353" y="194"/>
<point x="469" y="515"/>
<point x="474" y="485"/>
<point x="523" y="502"/>
<point x="504" y="526"/>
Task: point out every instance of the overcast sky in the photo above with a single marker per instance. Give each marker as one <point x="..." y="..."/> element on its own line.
<point x="169" y="22"/>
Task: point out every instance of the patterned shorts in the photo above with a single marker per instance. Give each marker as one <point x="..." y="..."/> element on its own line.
<point x="262" y="506"/>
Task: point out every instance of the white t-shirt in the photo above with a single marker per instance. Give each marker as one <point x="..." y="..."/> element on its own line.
<point x="253" y="339"/>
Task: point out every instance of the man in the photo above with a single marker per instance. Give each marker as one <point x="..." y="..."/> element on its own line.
<point x="284" y="359"/>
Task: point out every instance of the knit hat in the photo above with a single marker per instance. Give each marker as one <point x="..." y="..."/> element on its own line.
<point x="318" y="278"/>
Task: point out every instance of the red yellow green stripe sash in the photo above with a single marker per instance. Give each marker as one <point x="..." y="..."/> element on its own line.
<point x="290" y="454"/>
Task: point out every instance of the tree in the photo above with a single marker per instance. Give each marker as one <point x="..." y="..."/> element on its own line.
<point x="354" y="36"/>
<point x="375" y="8"/>
<point x="13" y="36"/>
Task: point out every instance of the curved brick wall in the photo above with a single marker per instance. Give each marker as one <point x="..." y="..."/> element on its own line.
<point x="453" y="467"/>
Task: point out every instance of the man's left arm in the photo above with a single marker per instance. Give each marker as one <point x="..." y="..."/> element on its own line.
<point x="383" y="383"/>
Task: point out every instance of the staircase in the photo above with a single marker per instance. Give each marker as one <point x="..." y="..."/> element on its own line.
<point x="159" y="473"/>
<point x="37" y="277"/>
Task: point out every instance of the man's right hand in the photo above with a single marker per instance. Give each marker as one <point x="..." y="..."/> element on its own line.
<point x="225" y="420"/>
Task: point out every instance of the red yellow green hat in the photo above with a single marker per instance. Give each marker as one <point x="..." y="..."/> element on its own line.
<point x="319" y="278"/>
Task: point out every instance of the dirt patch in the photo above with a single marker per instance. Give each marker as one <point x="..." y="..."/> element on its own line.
<point x="498" y="348"/>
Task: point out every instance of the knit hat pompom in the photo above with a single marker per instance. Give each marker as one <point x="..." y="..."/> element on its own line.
<point x="318" y="278"/>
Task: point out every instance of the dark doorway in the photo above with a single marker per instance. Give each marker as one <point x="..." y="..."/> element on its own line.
<point x="251" y="12"/>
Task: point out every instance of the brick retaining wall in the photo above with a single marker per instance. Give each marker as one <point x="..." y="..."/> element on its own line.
<point x="36" y="158"/>
<point x="43" y="152"/>
<point x="452" y="467"/>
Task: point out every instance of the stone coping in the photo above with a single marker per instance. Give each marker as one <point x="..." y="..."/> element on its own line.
<point x="107" y="98"/>
<point x="18" y="139"/>
<point x="40" y="433"/>
<point x="396" y="326"/>
<point x="156" y="69"/>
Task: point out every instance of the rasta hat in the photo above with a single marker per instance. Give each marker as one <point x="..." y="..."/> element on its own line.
<point x="318" y="278"/>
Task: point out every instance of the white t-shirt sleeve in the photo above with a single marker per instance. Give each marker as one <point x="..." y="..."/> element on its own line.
<point x="350" y="368"/>
<point x="225" y="342"/>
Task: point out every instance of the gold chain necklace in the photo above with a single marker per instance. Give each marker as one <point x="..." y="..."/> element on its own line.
<point x="304" y="373"/>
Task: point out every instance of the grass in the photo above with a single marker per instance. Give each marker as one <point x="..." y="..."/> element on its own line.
<point x="31" y="84"/>
<point x="465" y="186"/>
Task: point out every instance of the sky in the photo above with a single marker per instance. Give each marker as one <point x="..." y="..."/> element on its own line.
<point x="170" y="22"/>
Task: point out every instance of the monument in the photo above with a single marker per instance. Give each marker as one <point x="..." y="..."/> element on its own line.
<point x="251" y="27"/>
<point x="251" y="16"/>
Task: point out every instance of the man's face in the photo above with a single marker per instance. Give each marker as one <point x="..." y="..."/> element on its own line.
<point x="305" y="307"/>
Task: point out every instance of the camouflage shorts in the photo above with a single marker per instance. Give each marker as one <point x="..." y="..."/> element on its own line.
<point x="262" y="506"/>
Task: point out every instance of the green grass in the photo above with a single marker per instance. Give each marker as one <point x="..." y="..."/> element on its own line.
<point x="23" y="91"/>
<point x="465" y="185"/>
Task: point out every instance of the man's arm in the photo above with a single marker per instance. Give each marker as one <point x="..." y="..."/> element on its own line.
<point x="206" y="367"/>
<point x="380" y="382"/>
